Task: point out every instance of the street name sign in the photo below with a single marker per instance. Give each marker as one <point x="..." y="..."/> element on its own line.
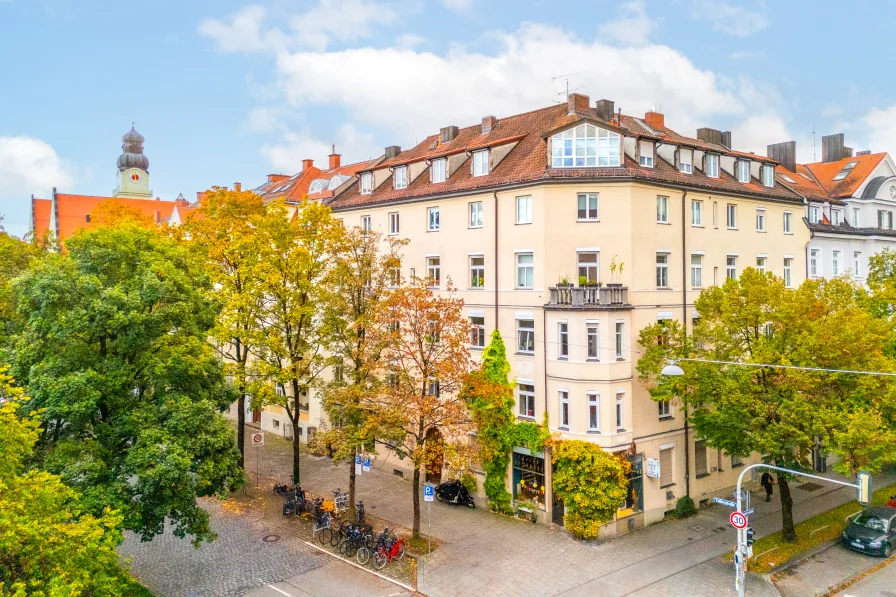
<point x="724" y="502"/>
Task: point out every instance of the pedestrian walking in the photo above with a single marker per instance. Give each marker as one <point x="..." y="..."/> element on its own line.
<point x="767" y="483"/>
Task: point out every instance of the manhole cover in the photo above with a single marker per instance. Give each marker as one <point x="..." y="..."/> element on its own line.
<point x="270" y="538"/>
<point x="697" y="528"/>
<point x="810" y="486"/>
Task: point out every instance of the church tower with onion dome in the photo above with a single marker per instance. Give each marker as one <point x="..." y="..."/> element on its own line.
<point x="133" y="168"/>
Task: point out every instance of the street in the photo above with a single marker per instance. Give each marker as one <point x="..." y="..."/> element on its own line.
<point x="878" y="584"/>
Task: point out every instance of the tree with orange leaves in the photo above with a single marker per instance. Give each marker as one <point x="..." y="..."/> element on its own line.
<point x="420" y="411"/>
<point x="113" y="213"/>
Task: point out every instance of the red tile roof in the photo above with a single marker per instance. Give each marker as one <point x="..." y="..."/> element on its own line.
<point x="73" y="210"/>
<point x="826" y="171"/>
<point x="295" y="187"/>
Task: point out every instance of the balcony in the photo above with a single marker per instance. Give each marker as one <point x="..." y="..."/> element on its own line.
<point x="589" y="297"/>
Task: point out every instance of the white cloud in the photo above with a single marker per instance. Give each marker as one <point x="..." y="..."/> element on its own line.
<point x="244" y="32"/>
<point x="30" y="165"/>
<point x="409" y="40"/>
<point x="756" y="132"/>
<point x="729" y="18"/>
<point x="287" y="156"/>
<point x="458" y="5"/>
<point x="633" y="27"/>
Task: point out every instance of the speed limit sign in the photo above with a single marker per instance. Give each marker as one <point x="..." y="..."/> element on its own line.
<point x="257" y="439"/>
<point x="738" y="520"/>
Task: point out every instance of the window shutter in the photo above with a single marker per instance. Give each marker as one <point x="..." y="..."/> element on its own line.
<point x="665" y="466"/>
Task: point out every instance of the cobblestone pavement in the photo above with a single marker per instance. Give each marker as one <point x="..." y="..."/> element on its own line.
<point x="880" y="584"/>
<point x="485" y="554"/>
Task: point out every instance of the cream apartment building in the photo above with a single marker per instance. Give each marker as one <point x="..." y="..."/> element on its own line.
<point x="512" y="208"/>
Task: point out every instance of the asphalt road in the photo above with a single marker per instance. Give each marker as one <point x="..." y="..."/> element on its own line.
<point x="880" y="584"/>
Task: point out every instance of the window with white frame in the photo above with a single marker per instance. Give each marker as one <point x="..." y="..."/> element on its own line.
<point x="526" y="394"/>
<point x="593" y="411"/>
<point x="588" y="206"/>
<point x="836" y="262"/>
<point x="592" y="334"/>
<point x="524" y="210"/>
<point x="477" y="271"/>
<point x="366" y="183"/>
<point x="432" y="219"/>
<point x="525" y="270"/>
<point x="400" y="177"/>
<point x="480" y="162"/>
<point x="836" y="217"/>
<point x="434" y="270"/>
<point x="588" y="264"/>
<point x="712" y="165"/>
<point x="662" y="270"/>
<point x="696" y="213"/>
<point x="768" y="175"/>
<point x="788" y="272"/>
<point x="432" y="387"/>
<point x="564" y="408"/>
<point x="620" y="330"/>
<point x="438" y="169"/>
<point x="620" y="405"/>
<point x="393" y="223"/>
<point x="696" y="271"/>
<point x="645" y="157"/>
<point x="855" y="217"/>
<point x="731" y="268"/>
<point x="395" y="276"/>
<point x="525" y="335"/>
<point x="760" y="264"/>
<point x="563" y="340"/>
<point x="814" y="214"/>
<point x="477" y="332"/>
<point x="857" y="264"/>
<point x="476" y="214"/>
<point x="743" y="171"/>
<point x="662" y="209"/>
<point x="665" y="409"/>
<point x="788" y="218"/>
<point x="885" y="219"/>
<point x="760" y="220"/>
<point x="686" y="160"/>
<point x="584" y="146"/>
<point x="814" y="262"/>
<point x="365" y="223"/>
<point x="731" y="213"/>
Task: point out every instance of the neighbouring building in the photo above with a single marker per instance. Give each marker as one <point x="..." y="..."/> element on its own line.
<point x="850" y="200"/>
<point x="63" y="214"/>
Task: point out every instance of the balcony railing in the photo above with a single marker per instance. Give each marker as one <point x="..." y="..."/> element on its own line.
<point x="589" y="297"/>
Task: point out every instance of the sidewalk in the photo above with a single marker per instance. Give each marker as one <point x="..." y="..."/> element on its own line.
<point x="485" y="554"/>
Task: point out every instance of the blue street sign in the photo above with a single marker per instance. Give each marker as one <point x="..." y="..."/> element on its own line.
<point x="358" y="459"/>
<point x="429" y="492"/>
<point x="724" y="502"/>
<point x="367" y="464"/>
<point x="748" y="512"/>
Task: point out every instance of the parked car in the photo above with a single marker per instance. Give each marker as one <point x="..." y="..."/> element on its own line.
<point x="873" y="531"/>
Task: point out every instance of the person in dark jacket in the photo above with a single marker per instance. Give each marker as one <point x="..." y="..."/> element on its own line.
<point x="767" y="483"/>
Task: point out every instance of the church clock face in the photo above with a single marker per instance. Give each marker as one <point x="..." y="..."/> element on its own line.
<point x="136" y="178"/>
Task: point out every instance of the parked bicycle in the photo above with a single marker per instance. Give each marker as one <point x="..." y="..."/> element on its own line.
<point x="296" y="500"/>
<point x="388" y="547"/>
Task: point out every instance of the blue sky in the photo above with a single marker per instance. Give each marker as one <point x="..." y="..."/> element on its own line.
<point x="230" y="90"/>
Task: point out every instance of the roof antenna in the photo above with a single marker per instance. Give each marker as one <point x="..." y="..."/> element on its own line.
<point x="567" y="76"/>
<point x="813" y="142"/>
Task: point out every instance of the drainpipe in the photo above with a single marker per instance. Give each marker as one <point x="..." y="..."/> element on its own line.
<point x="684" y="315"/>
<point x="495" y="193"/>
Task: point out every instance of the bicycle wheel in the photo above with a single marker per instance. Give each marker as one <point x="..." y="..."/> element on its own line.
<point x="400" y="553"/>
<point x="351" y="548"/>
<point x="325" y="536"/>
<point x="337" y="539"/>
<point x="363" y="555"/>
<point x="379" y="560"/>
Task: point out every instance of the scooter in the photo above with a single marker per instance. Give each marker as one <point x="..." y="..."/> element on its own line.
<point x="892" y="501"/>
<point x="453" y="492"/>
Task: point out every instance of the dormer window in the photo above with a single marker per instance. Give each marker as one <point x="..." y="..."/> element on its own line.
<point x="814" y="214"/>
<point x="584" y="146"/>
<point x="768" y="175"/>
<point x="480" y="162"/>
<point x="437" y="170"/>
<point x="743" y="171"/>
<point x="317" y="186"/>
<point x="366" y="183"/>
<point x="712" y="165"/>
<point x="400" y="177"/>
<point x="836" y="217"/>
<point x="686" y="160"/>
<point x="646" y="153"/>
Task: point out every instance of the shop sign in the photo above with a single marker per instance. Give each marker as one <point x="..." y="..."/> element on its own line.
<point x="653" y="468"/>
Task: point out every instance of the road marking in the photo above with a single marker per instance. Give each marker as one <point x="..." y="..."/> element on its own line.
<point x="359" y="567"/>
<point x="275" y="588"/>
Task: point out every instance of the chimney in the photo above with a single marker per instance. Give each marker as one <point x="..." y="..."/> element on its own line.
<point x="726" y="139"/>
<point x="576" y="102"/>
<point x="847" y="152"/>
<point x="605" y="109"/>
<point x="276" y="177"/>
<point x="334" y="158"/>
<point x="392" y="151"/>
<point x="200" y="196"/>
<point x="708" y="135"/>
<point x="307" y="165"/>
<point x="158" y="216"/>
<point x="488" y="123"/>
<point x="655" y="120"/>
<point x="832" y="148"/>
<point x="237" y="186"/>
<point x="448" y="133"/>
<point x="863" y="152"/>
<point x="785" y="153"/>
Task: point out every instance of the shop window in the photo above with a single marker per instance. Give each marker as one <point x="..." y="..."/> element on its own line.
<point x="528" y="478"/>
<point x="634" y="499"/>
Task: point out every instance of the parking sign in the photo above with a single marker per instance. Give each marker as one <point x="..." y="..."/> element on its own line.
<point x="366" y="466"/>
<point x="429" y="492"/>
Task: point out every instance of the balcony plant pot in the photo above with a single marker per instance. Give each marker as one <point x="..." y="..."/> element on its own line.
<point x="592" y="285"/>
<point x="614" y="285"/>
<point x="564" y="285"/>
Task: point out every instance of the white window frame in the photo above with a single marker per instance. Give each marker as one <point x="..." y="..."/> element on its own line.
<point x="696" y="270"/>
<point x="477" y="331"/>
<point x="562" y="340"/>
<point x="394" y="223"/>
<point x="731" y="267"/>
<point x="480" y="162"/>
<point x="712" y="165"/>
<point x="365" y="224"/>
<point x="587" y="266"/>
<point x="529" y="395"/>
<point x="856" y="213"/>
<point x="664" y="409"/>
<point x="788" y="272"/>
<point x="768" y="175"/>
<point x="643" y="159"/>
<point x="815" y="262"/>
<point x="566" y="148"/>
<point x="620" y="340"/>
<point x="662" y="269"/>
<point x="857" y="264"/>
<point x="620" y="411"/>
<point x="438" y="170"/>
<point x="743" y="171"/>
<point x="563" y="397"/>
<point x="836" y="217"/>
<point x="477" y="268"/>
<point x="662" y="209"/>
<point x="523" y="206"/>
<point x="788" y="221"/>
<point x="836" y="262"/>
<point x="525" y="272"/>
<point x="433" y="219"/>
<point x="686" y="166"/>
<point x="731" y="216"/>
<point x="593" y="400"/>
<point x="591" y="213"/>
<point x="366" y="183"/>
<point x="696" y="212"/>
<point x="475" y="211"/>
<point x="400" y="177"/>
<point x="592" y="340"/>
<point x="434" y="270"/>
<point x="760" y="219"/>
<point x="761" y="263"/>
<point x="814" y="214"/>
<point x="528" y="333"/>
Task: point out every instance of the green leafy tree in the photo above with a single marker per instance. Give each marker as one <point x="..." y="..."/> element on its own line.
<point x="782" y="414"/>
<point x="114" y="353"/>
<point x="49" y="546"/>
<point x="593" y="485"/>
<point x="16" y="256"/>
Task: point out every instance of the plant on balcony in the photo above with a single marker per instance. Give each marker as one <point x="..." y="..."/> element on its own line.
<point x="614" y="269"/>
<point x="564" y="283"/>
<point x="583" y="281"/>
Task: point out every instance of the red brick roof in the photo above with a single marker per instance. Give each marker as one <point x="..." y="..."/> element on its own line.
<point x="295" y="187"/>
<point x="72" y="211"/>
<point x="826" y="171"/>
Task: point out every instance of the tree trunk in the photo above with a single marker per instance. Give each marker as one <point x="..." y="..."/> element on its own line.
<point x="241" y="405"/>
<point x="351" y="487"/>
<point x="296" y="477"/>
<point x="416" y="485"/>
<point x="788" y="530"/>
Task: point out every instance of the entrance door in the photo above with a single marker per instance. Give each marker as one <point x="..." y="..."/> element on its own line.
<point x="256" y="416"/>
<point x="558" y="511"/>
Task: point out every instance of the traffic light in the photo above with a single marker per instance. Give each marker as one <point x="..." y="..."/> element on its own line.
<point x="863" y="482"/>
<point x="749" y="531"/>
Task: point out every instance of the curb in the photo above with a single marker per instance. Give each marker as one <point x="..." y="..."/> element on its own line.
<point x="802" y="557"/>
<point x="359" y="567"/>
